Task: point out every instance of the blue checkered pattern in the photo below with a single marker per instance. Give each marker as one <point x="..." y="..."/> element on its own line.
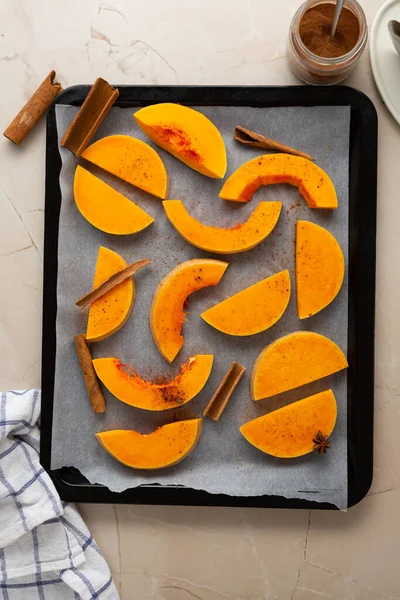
<point x="46" y="551"/>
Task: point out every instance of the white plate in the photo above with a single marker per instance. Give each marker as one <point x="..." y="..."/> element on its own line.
<point x="385" y="61"/>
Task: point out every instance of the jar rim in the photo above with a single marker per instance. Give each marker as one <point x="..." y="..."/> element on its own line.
<point x="352" y="5"/>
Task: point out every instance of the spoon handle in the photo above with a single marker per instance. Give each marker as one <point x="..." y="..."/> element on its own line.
<point x="338" y="10"/>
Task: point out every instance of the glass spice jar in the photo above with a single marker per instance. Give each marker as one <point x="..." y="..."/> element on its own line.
<point x="317" y="70"/>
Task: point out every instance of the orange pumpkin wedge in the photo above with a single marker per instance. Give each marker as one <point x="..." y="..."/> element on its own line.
<point x="132" y="160"/>
<point x="105" y="208"/>
<point x="252" y="310"/>
<point x="167" y="310"/>
<point x="289" y="431"/>
<point x="219" y="240"/>
<point x="110" y="312"/>
<point x="166" y="446"/>
<point x="319" y="268"/>
<point x="314" y="184"/>
<point x="292" y="361"/>
<point x="187" y="134"/>
<point x="133" y="390"/>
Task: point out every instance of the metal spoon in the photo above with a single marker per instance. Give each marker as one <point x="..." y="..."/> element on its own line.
<point x="394" y="30"/>
<point x="338" y="10"/>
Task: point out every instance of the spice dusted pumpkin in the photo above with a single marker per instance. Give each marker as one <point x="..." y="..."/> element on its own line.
<point x="105" y="208"/>
<point x="111" y="311"/>
<point x="314" y="184"/>
<point x="132" y="160"/>
<point x="127" y="386"/>
<point x="252" y="310"/>
<point x="292" y="430"/>
<point x="220" y="240"/>
<point x="292" y="361"/>
<point x="166" y="446"/>
<point x="167" y="310"/>
<point x="187" y="134"/>
<point x="319" y="268"/>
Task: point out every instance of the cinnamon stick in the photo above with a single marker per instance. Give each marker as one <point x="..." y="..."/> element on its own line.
<point x="91" y="114"/>
<point x="89" y="374"/>
<point x="251" y="138"/>
<point x="36" y="106"/>
<point x="108" y="285"/>
<point x="224" y="391"/>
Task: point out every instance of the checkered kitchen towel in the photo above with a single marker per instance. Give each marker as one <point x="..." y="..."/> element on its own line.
<point x="46" y="551"/>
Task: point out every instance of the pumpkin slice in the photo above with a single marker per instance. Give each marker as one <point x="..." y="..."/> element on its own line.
<point x="219" y="240"/>
<point x="291" y="430"/>
<point x="252" y="310"/>
<point x="110" y="312"/>
<point x="293" y="361"/>
<point x="105" y="208"/>
<point x="187" y="134"/>
<point x="166" y="446"/>
<point x="314" y="184"/>
<point x="167" y="310"/>
<point x="133" y="390"/>
<point x="132" y="160"/>
<point x="319" y="268"/>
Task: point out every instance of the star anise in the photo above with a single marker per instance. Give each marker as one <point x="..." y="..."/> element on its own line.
<point x="321" y="443"/>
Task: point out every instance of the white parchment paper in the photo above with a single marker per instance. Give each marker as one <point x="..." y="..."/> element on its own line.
<point x="223" y="462"/>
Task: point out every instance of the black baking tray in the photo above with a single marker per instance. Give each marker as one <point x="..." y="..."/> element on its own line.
<point x="71" y="485"/>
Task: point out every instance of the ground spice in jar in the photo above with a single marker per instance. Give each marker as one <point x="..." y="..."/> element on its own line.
<point x="315" y="31"/>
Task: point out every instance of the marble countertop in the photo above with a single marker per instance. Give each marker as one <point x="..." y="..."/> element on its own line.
<point x="174" y="553"/>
